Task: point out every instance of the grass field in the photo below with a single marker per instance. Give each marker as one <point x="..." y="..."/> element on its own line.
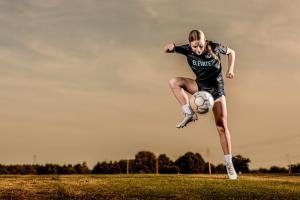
<point x="148" y="187"/>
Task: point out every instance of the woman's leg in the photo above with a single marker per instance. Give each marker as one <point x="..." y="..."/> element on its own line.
<point x="220" y="113"/>
<point x="179" y="86"/>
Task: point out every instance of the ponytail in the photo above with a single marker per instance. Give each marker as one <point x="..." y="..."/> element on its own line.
<point x="211" y="52"/>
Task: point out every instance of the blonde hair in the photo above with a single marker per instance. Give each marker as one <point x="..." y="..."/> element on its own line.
<point x="198" y="35"/>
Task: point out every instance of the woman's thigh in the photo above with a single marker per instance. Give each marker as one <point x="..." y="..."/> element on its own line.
<point x="188" y="84"/>
<point x="220" y="111"/>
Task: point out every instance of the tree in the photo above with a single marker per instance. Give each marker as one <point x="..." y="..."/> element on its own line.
<point x="82" y="168"/>
<point x="114" y="168"/>
<point x="220" y="168"/>
<point x="145" y="162"/>
<point x="276" y="169"/>
<point x="107" y="168"/>
<point x="241" y="164"/>
<point x="295" y="168"/>
<point x="263" y="170"/>
<point x="167" y="166"/>
<point x="123" y="166"/>
<point x="190" y="163"/>
<point x="3" y="169"/>
<point x="30" y="169"/>
<point x="100" y="168"/>
<point x="164" y="160"/>
<point x="16" y="169"/>
<point x="48" y="169"/>
<point x="66" y="169"/>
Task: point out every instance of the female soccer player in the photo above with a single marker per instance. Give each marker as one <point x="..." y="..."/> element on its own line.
<point x="203" y="56"/>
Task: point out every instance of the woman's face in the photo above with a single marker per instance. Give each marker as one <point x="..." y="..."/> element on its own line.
<point x="198" y="46"/>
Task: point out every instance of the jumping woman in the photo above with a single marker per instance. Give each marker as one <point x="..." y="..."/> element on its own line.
<point x="203" y="56"/>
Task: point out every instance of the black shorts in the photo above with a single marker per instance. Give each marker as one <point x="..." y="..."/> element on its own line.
<point x="215" y="88"/>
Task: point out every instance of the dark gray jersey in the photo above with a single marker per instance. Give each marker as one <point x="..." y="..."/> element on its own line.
<point x="208" y="70"/>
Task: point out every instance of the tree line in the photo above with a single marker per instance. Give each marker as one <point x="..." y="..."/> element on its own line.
<point x="146" y="162"/>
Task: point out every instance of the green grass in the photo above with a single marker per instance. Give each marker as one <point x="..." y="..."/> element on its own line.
<point x="149" y="187"/>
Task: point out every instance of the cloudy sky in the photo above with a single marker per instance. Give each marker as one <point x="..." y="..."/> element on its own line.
<point x="87" y="80"/>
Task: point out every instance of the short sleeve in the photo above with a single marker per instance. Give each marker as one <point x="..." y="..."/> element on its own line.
<point x="182" y="49"/>
<point x="219" y="48"/>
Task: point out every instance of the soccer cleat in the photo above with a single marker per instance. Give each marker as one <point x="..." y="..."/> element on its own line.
<point x="187" y="119"/>
<point x="230" y="171"/>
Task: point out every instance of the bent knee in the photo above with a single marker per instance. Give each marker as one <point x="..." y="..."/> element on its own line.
<point x="174" y="82"/>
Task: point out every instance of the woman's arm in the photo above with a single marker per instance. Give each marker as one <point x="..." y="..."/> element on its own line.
<point x="181" y="49"/>
<point x="169" y="48"/>
<point x="231" y="60"/>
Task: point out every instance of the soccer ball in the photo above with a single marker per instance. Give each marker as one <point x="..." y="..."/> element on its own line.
<point x="201" y="102"/>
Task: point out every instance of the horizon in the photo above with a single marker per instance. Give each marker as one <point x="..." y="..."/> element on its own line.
<point x="88" y="80"/>
<point x="131" y="159"/>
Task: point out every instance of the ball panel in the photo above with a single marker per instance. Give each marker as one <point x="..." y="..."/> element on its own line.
<point x="201" y="102"/>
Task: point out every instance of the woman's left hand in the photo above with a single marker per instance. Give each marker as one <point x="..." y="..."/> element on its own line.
<point x="229" y="74"/>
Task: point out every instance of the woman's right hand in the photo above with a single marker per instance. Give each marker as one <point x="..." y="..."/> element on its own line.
<point x="169" y="47"/>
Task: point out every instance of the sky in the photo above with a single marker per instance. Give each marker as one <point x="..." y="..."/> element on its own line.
<point x="87" y="80"/>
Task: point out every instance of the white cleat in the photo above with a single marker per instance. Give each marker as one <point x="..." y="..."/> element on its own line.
<point x="187" y="119"/>
<point x="230" y="171"/>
